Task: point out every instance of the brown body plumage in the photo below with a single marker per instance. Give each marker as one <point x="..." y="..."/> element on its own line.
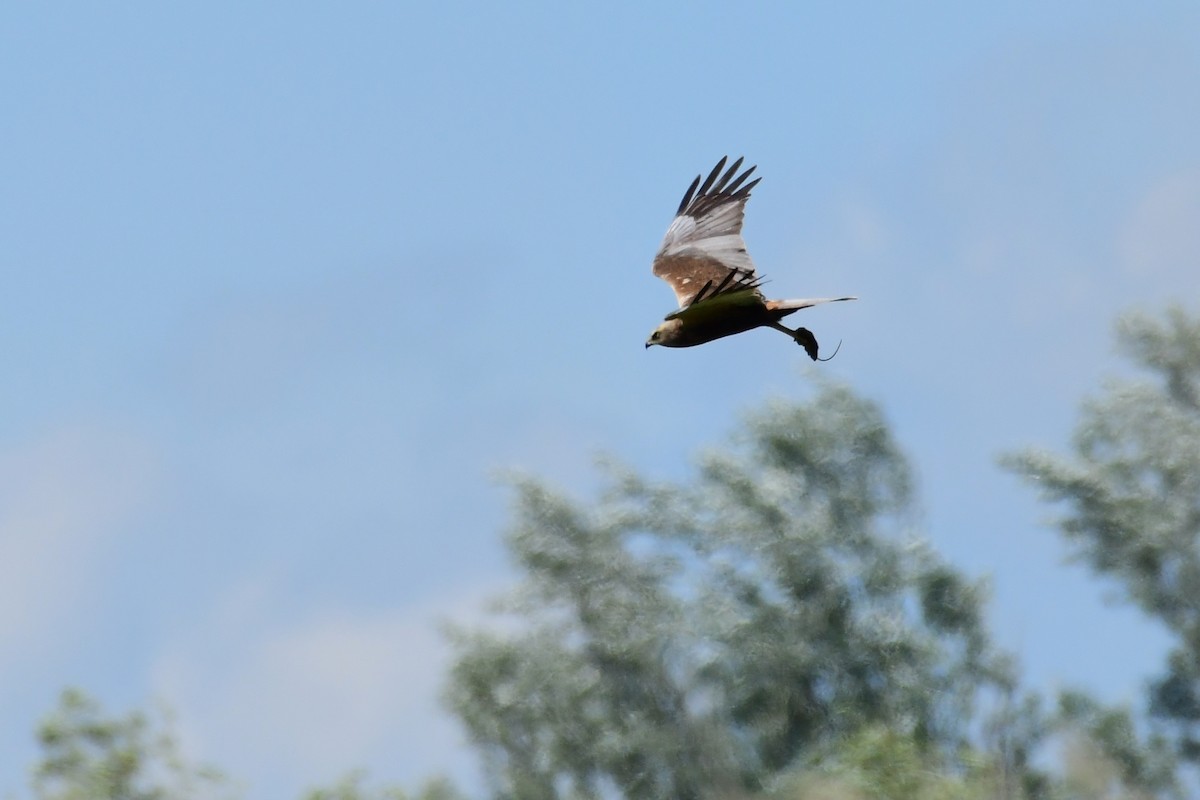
<point x="703" y="257"/>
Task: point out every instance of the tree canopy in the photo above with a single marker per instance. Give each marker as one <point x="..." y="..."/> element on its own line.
<point x="88" y="755"/>
<point x="1130" y="496"/>
<point x="773" y="627"/>
<point x="688" y="640"/>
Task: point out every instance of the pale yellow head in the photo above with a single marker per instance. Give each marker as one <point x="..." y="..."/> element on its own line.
<point x="666" y="333"/>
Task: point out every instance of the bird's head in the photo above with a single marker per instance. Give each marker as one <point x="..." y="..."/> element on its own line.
<point x="666" y="333"/>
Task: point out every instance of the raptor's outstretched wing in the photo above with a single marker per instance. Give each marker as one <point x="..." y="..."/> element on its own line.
<point x="703" y="254"/>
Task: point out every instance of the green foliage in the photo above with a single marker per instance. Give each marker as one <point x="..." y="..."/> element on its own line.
<point x="1106" y="756"/>
<point x="1100" y="757"/>
<point x="1131" y="491"/>
<point x="88" y="756"/>
<point x="770" y="628"/>
<point x="1013" y="734"/>
<point x="687" y="641"/>
<point x="352" y="787"/>
<point x="881" y="764"/>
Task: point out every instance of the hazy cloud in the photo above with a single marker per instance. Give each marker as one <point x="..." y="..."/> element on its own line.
<point x="1161" y="238"/>
<point x="62" y="497"/>
<point x="299" y="701"/>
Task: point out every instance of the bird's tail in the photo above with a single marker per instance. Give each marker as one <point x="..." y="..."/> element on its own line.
<point x="796" y="305"/>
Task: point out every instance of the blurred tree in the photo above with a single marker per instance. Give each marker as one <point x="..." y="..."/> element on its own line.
<point x="1100" y="758"/>
<point x="771" y="630"/>
<point x="1132" y="496"/>
<point x="351" y="787"/>
<point x="88" y="756"/>
<point x="1104" y="756"/>
<point x="880" y="764"/>
<point x="696" y="640"/>
<point x="1013" y="733"/>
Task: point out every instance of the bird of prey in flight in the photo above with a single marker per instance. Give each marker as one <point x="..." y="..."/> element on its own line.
<point x="704" y="258"/>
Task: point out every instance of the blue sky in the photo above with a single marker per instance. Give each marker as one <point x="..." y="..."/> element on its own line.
<point x="284" y="285"/>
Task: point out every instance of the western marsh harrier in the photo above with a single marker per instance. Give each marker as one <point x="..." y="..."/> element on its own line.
<point x="704" y="258"/>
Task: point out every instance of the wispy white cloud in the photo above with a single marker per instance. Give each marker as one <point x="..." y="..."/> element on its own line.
<point x="297" y="702"/>
<point x="1160" y="239"/>
<point x="62" y="497"/>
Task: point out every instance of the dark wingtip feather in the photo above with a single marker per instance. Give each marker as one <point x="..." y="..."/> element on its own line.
<point x="733" y="187"/>
<point x="729" y="173"/>
<point x="739" y="279"/>
<point x="700" y="197"/>
<point x="712" y="176"/>
<point x="687" y="196"/>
